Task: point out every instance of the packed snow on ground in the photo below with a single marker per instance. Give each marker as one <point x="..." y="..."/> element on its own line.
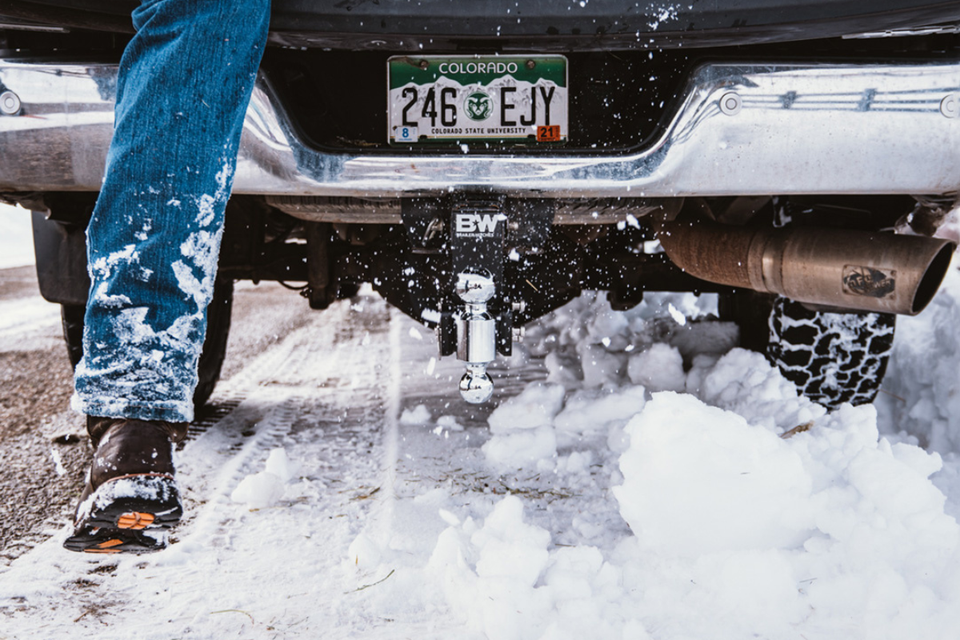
<point x="653" y="481"/>
<point x="17" y="243"/>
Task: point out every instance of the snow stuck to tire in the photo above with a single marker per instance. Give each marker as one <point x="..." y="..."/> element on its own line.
<point x="832" y="357"/>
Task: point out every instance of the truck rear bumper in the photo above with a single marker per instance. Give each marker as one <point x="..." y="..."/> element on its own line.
<point x="735" y="129"/>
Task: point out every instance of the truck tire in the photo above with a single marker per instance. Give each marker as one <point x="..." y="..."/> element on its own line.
<point x="832" y="358"/>
<point x="214" y="346"/>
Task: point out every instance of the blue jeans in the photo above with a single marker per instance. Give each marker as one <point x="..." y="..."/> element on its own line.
<point x="184" y="84"/>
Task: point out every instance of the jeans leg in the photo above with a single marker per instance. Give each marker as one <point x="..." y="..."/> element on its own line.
<point x="153" y="242"/>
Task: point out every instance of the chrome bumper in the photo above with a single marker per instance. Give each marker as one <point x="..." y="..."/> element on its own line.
<point x="746" y="129"/>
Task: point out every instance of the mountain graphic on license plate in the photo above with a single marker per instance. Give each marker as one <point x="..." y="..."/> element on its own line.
<point x="469" y="98"/>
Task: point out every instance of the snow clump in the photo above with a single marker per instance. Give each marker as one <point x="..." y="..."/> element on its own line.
<point x="659" y="368"/>
<point x="265" y="488"/>
<point x="522" y="428"/>
<point x="418" y="415"/>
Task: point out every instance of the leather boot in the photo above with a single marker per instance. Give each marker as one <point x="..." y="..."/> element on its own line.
<point x="131" y="497"/>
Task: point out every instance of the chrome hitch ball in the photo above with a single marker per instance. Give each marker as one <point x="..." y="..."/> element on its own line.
<point x="476" y="387"/>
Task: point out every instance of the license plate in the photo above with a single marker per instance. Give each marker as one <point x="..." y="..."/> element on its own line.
<point x="477" y="98"/>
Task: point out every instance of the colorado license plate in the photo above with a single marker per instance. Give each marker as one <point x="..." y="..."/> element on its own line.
<point x="487" y="98"/>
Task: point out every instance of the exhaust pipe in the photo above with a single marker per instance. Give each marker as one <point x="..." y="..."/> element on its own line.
<point x="840" y="268"/>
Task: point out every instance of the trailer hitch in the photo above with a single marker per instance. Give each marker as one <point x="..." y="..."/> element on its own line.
<point x="477" y="232"/>
<point x="457" y="278"/>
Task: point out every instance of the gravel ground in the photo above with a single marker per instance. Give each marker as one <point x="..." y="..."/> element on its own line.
<point x="43" y="450"/>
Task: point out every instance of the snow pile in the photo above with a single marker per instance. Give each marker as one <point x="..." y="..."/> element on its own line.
<point x="743" y="382"/>
<point x="923" y="381"/>
<point x="592" y="412"/>
<point x="586" y="345"/>
<point x="508" y="556"/>
<point x="751" y="511"/>
<point x="737" y="531"/>
<point x="698" y="480"/>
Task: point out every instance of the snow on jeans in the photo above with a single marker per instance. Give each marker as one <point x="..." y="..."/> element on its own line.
<point x="184" y="84"/>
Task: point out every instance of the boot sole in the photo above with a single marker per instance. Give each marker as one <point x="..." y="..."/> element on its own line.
<point x="131" y="514"/>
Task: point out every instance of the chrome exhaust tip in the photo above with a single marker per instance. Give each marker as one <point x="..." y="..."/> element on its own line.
<point x="838" y="268"/>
